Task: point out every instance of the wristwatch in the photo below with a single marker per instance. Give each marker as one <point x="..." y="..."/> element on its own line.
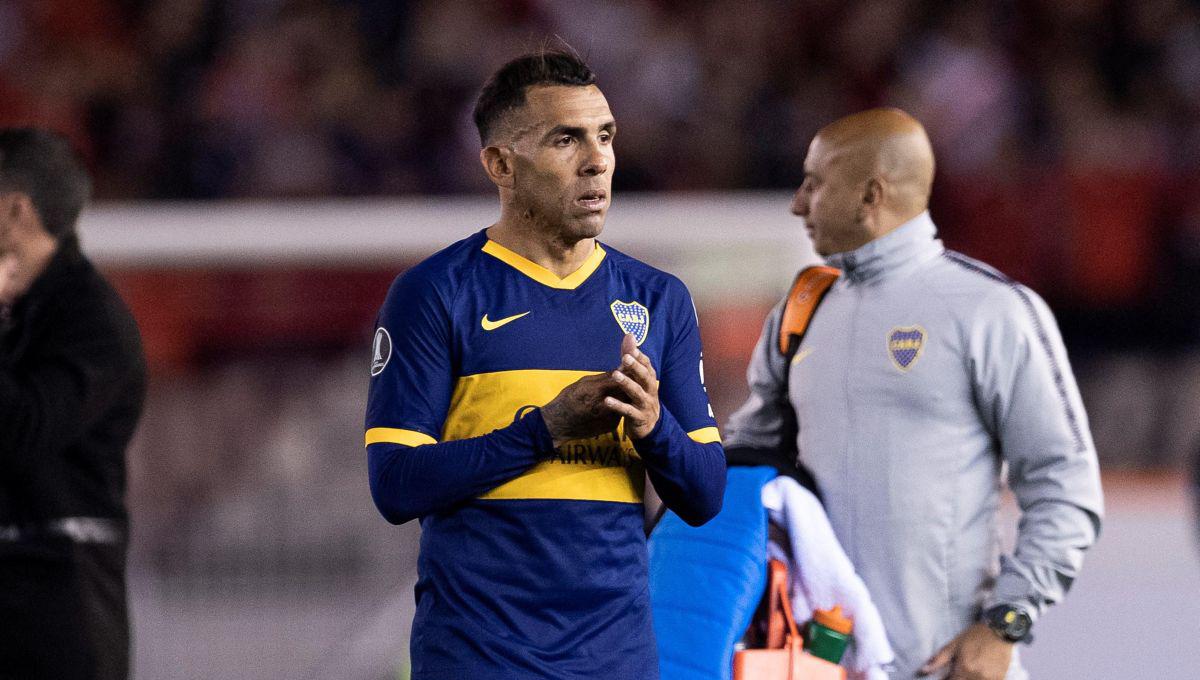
<point x="1011" y="623"/>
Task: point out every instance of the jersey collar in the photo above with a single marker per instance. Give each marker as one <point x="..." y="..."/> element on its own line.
<point x="542" y="275"/>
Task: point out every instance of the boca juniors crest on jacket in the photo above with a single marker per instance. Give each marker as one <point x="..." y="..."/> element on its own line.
<point x="549" y="568"/>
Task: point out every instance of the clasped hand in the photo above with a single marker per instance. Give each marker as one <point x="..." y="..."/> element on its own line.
<point x="595" y="404"/>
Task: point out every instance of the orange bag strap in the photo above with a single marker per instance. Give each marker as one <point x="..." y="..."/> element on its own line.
<point x="794" y="643"/>
<point x="809" y="288"/>
<point x="781" y="624"/>
<point x="793" y="633"/>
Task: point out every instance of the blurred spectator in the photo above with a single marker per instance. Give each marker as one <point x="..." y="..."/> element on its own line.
<point x="1066" y="126"/>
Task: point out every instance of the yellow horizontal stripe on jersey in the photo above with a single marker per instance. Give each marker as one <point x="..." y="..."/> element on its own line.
<point x="542" y="275"/>
<point x="604" y="468"/>
<point x="484" y="402"/>
<point x="392" y="435"/>
<point x="705" y="435"/>
<point x="562" y="479"/>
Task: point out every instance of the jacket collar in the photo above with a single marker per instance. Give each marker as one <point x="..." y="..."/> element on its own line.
<point x="904" y="247"/>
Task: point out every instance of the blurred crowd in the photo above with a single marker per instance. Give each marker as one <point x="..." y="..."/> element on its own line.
<point x="1068" y="133"/>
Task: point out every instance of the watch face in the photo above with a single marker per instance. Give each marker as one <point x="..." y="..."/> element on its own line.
<point x="1011" y="623"/>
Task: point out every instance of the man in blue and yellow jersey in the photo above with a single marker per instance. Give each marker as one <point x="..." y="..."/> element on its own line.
<point x="526" y="381"/>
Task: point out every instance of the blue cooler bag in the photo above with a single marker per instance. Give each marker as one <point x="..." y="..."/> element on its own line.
<point x="706" y="582"/>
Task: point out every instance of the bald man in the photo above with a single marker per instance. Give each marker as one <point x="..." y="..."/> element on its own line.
<point x="922" y="375"/>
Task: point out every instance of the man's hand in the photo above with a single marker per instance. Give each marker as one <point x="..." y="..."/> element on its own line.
<point x="639" y="382"/>
<point x="594" y="404"/>
<point x="976" y="654"/>
<point x="579" y="410"/>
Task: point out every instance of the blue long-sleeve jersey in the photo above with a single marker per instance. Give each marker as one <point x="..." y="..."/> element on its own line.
<point x="533" y="558"/>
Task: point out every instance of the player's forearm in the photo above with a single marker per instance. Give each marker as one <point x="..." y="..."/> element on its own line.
<point x="688" y="476"/>
<point x="409" y="482"/>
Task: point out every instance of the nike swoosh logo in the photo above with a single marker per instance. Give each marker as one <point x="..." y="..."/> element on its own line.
<point x="800" y="356"/>
<point x="489" y="325"/>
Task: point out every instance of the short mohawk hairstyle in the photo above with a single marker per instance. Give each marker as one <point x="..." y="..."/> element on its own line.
<point x="505" y="90"/>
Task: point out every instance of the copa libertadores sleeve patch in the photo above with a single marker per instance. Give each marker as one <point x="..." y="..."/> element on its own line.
<point x="382" y="351"/>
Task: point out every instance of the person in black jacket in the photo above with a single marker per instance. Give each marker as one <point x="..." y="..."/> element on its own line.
<point x="72" y="383"/>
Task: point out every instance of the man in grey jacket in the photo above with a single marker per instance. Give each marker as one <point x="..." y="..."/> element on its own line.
<point x="921" y="376"/>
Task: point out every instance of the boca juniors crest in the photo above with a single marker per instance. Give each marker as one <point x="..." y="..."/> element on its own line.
<point x="905" y="344"/>
<point x="633" y="318"/>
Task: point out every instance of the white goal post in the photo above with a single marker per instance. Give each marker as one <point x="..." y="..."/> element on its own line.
<point x="721" y="244"/>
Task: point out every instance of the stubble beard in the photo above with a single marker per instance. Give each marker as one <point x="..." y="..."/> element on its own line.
<point x="558" y="224"/>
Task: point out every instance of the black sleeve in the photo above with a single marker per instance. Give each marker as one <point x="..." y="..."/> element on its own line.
<point x="77" y="373"/>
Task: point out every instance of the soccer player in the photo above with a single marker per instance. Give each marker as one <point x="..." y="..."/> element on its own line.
<point x="72" y="382"/>
<point x="921" y="375"/>
<point x="525" y="381"/>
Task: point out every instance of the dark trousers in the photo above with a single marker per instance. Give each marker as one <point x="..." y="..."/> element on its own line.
<point x="63" y="614"/>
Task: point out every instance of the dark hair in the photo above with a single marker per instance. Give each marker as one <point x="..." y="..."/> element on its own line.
<point x="42" y="165"/>
<point x="505" y="90"/>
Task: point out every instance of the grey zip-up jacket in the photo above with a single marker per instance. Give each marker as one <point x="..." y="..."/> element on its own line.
<point x="921" y="374"/>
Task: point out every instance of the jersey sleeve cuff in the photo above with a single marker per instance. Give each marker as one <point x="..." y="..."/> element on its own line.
<point x="659" y="440"/>
<point x="533" y="424"/>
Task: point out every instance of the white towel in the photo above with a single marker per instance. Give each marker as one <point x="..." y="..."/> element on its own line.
<point x="822" y="575"/>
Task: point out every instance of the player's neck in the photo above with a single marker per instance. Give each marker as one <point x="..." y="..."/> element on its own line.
<point x="544" y="247"/>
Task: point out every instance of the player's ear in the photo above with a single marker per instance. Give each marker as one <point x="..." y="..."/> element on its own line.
<point x="498" y="164"/>
<point x="873" y="193"/>
<point x="14" y="207"/>
<point x="10" y="207"/>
